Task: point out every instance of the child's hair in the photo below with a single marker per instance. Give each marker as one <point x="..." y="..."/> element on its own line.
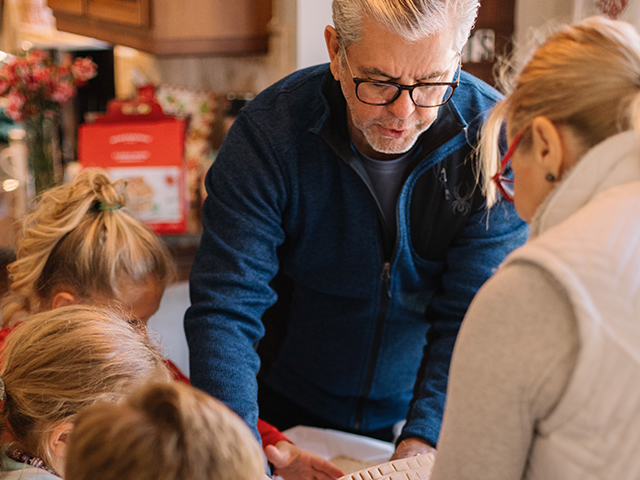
<point x="585" y="76"/>
<point x="60" y="361"/>
<point x="164" y="431"/>
<point x="79" y="238"/>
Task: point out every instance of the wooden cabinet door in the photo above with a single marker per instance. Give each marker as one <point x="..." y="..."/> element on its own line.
<point x="171" y="27"/>
<point x="127" y="12"/>
<point x="69" y="6"/>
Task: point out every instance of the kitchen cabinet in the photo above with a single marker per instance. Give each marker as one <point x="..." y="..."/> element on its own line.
<point x="170" y="27"/>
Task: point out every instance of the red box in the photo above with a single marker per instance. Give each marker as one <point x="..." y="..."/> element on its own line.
<point x="149" y="156"/>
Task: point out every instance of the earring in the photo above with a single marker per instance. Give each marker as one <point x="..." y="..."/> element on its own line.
<point x="550" y="177"/>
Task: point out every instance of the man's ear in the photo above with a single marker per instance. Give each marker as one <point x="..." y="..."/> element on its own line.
<point x="333" y="47"/>
<point x="63" y="299"/>
<point x="547" y="146"/>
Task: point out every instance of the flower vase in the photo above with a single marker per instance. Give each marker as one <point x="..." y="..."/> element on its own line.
<point x="44" y="153"/>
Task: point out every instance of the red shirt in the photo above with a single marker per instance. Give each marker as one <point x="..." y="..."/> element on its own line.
<point x="270" y="434"/>
<point x="4" y="332"/>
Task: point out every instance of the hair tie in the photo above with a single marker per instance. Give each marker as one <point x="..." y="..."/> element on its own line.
<point x="105" y="206"/>
<point x="3" y="394"/>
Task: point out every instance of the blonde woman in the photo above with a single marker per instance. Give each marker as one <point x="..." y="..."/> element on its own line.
<point x="54" y="365"/>
<point x="164" y="431"/>
<point x="545" y="375"/>
<point x="81" y="246"/>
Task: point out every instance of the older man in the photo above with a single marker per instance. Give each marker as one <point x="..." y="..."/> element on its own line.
<point x="353" y="183"/>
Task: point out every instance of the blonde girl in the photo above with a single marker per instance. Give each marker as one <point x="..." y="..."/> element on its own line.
<point x="545" y="375"/>
<point x="80" y="246"/>
<point x="164" y="431"/>
<point x="55" y="364"/>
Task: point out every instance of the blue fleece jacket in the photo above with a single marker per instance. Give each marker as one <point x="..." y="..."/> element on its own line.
<point x="370" y="327"/>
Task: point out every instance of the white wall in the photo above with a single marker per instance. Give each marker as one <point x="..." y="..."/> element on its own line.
<point x="313" y="16"/>
<point x="535" y="15"/>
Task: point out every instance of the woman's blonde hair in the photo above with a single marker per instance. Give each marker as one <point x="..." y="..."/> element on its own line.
<point x="164" y="431"/>
<point x="79" y="238"/>
<point x="60" y="361"/>
<point x="585" y="76"/>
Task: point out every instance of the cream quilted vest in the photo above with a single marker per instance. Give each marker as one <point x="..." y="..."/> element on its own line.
<point x="587" y="235"/>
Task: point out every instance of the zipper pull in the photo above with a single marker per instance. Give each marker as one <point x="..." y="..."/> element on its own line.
<point x="443" y="181"/>
<point x="386" y="277"/>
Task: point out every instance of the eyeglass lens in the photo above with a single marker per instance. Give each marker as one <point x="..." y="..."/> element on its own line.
<point x="423" y="96"/>
<point x="506" y="188"/>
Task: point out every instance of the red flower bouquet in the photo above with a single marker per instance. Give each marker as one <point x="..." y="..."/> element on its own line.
<point x="35" y="85"/>
<point x="35" y="88"/>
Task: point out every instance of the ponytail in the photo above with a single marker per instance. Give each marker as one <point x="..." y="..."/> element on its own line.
<point x="80" y="237"/>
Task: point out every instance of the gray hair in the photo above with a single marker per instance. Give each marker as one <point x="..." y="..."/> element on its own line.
<point x="411" y="19"/>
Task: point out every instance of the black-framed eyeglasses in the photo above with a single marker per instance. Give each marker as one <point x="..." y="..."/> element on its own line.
<point x="424" y="94"/>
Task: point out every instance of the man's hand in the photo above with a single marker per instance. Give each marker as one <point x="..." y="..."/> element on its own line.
<point x="293" y="463"/>
<point x="410" y="447"/>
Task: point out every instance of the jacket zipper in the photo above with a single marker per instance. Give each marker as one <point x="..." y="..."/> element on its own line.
<point x="384" y="301"/>
<point x="377" y="340"/>
<point x="443" y="180"/>
<point x="386" y="273"/>
<point x="385" y="295"/>
<point x="382" y="309"/>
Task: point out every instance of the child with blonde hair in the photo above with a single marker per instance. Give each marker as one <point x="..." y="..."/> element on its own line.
<point x="55" y="364"/>
<point x="164" y="431"/>
<point x="80" y="245"/>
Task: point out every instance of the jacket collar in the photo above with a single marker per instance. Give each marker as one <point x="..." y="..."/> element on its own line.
<point x="613" y="162"/>
<point x="332" y="125"/>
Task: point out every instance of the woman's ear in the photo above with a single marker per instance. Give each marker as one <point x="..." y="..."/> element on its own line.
<point x="333" y="47"/>
<point x="63" y="299"/>
<point x="547" y="147"/>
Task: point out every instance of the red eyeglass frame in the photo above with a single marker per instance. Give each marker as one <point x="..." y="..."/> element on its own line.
<point x="499" y="177"/>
